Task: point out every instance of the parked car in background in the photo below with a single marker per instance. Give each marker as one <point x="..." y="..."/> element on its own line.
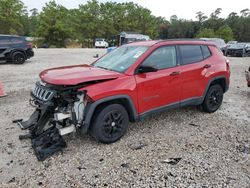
<point x="101" y="43"/>
<point x="128" y="84"/>
<point x="15" y="49"/>
<point x="239" y="50"/>
<point x="220" y="43"/>
<point x="127" y="37"/>
<point x="230" y="43"/>
<point x="247" y="73"/>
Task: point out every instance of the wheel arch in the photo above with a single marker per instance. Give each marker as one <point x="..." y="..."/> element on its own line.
<point x="124" y="100"/>
<point x="18" y="50"/>
<point x="220" y="80"/>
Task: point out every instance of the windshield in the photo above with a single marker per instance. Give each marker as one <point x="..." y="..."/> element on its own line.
<point x="232" y="42"/>
<point x="238" y="45"/>
<point x="121" y="58"/>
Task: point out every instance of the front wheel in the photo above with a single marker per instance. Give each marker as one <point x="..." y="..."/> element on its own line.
<point x="18" y="58"/>
<point x="110" y="123"/>
<point x="213" y="99"/>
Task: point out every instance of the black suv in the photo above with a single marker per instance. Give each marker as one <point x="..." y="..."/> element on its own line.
<point x="15" y="49"/>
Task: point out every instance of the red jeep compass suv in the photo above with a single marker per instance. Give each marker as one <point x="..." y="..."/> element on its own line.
<point x="128" y="84"/>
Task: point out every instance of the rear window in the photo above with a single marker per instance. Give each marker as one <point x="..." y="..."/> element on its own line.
<point x="206" y="52"/>
<point x="190" y="54"/>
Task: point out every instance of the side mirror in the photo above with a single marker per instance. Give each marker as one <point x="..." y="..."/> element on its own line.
<point x="145" y="69"/>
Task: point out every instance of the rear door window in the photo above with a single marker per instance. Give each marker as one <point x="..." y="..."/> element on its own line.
<point x="17" y="40"/>
<point x="190" y="54"/>
<point x="206" y="52"/>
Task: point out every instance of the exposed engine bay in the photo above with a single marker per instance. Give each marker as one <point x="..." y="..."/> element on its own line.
<point x="59" y="111"/>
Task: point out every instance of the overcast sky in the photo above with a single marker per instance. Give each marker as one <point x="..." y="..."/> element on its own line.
<point x="182" y="8"/>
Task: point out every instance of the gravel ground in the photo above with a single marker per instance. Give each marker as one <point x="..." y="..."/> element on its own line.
<point x="214" y="149"/>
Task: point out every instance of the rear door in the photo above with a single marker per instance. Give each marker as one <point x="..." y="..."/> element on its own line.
<point x="162" y="88"/>
<point x="18" y="42"/>
<point x="4" y="45"/>
<point x="195" y="67"/>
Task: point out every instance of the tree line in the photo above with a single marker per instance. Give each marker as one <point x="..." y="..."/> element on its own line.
<point x="55" y="25"/>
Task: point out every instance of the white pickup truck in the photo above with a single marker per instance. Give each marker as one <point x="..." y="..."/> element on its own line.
<point x="101" y="43"/>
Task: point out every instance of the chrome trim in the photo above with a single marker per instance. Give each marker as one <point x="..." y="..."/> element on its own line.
<point x="42" y="92"/>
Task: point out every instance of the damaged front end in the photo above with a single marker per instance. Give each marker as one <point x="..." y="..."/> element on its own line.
<point x="59" y="111"/>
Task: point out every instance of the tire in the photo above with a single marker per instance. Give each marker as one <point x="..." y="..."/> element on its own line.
<point x="213" y="99"/>
<point x="110" y="123"/>
<point x="18" y="57"/>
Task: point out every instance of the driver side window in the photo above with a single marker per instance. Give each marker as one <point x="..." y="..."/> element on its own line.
<point x="162" y="58"/>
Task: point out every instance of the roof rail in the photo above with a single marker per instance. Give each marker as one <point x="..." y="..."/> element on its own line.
<point x="181" y="39"/>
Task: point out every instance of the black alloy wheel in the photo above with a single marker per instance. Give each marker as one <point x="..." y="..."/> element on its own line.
<point x="110" y="123"/>
<point x="213" y="99"/>
<point x="18" y="58"/>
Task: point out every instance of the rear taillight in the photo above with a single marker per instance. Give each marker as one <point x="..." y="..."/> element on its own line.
<point x="29" y="45"/>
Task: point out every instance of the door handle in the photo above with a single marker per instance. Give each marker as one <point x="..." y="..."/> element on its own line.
<point x="175" y="73"/>
<point x="207" y="66"/>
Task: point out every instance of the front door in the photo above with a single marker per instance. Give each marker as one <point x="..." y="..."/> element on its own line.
<point x="159" y="89"/>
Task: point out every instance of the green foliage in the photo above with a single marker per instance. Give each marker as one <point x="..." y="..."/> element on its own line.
<point x="11" y="15"/>
<point x="224" y="32"/>
<point x="33" y="21"/>
<point x="240" y="26"/>
<point x="201" y="17"/>
<point x="206" y="33"/>
<point x="182" y="29"/>
<point x="53" y="24"/>
<point x="93" y="19"/>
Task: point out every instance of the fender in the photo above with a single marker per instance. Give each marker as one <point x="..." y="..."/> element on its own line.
<point x="90" y="109"/>
<point x="17" y="50"/>
<point x="214" y="79"/>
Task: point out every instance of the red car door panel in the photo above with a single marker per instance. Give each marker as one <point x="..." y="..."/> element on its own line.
<point x="193" y="72"/>
<point x="157" y="89"/>
<point x="161" y="88"/>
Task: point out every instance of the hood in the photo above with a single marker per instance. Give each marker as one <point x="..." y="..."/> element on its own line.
<point x="73" y="75"/>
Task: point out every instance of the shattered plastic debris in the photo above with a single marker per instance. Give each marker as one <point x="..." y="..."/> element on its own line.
<point x="17" y="120"/>
<point x="137" y="146"/>
<point x="172" y="161"/>
<point x="96" y="56"/>
<point x="193" y="124"/>
<point x="48" y="143"/>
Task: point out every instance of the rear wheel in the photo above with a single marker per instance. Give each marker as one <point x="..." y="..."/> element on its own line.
<point x="110" y="123"/>
<point x="18" y="58"/>
<point x="213" y="99"/>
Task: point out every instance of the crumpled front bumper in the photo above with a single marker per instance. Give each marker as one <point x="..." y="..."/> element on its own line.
<point x="45" y="129"/>
<point x="44" y="142"/>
